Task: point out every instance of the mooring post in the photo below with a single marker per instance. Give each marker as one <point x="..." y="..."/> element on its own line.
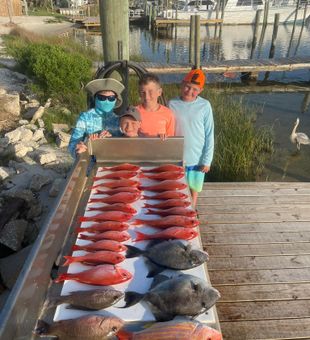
<point x="114" y="23"/>
<point x="197" y="41"/>
<point x="305" y="103"/>
<point x="274" y="35"/>
<point x="255" y="33"/>
<point x="273" y="40"/>
<point x="293" y="30"/>
<point x="223" y="9"/>
<point x="192" y="40"/>
<point x="266" y="12"/>
<point x="302" y="28"/>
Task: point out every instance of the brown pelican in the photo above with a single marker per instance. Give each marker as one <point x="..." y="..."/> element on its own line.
<point x="299" y="137"/>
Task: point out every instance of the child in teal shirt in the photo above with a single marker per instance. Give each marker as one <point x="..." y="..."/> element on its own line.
<point x="194" y="121"/>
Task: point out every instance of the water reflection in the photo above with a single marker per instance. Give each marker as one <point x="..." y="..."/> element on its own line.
<point x="279" y="110"/>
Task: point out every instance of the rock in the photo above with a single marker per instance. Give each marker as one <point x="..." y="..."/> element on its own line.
<point x="4" y="142"/>
<point x="60" y="128"/>
<point x="23" y="122"/>
<point x="46" y="158"/>
<point x="26" y="195"/>
<point x="25" y="134"/>
<point x="48" y="103"/>
<point x="32" y="127"/>
<point x="33" y="103"/>
<point x="12" y="234"/>
<point x="13" y="136"/>
<point x="38" y="114"/>
<point x="6" y="172"/>
<point x="38" y="134"/>
<point x="9" y="104"/>
<point x="56" y="187"/>
<point x="28" y="114"/>
<point x="21" y="150"/>
<point x="34" y="211"/>
<point x="2" y="91"/>
<point x="62" y="139"/>
<point x="12" y="81"/>
<point x="38" y="181"/>
<point x="31" y="234"/>
<point x="41" y="123"/>
<point x="65" y="111"/>
<point x="11" y="266"/>
<point x="3" y="297"/>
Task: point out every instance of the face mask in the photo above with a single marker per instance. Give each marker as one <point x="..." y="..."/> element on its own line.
<point x="104" y="105"/>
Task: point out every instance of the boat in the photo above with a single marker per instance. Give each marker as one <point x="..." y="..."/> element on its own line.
<point x="238" y="12"/>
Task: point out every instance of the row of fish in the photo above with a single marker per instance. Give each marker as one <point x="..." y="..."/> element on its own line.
<point x="181" y="295"/>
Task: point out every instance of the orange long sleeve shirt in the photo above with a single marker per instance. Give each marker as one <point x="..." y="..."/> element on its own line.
<point x="157" y="122"/>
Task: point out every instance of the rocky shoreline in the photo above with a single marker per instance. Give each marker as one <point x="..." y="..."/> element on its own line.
<point x="32" y="171"/>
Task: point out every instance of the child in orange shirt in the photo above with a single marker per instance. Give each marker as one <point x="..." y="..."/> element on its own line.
<point x="156" y="119"/>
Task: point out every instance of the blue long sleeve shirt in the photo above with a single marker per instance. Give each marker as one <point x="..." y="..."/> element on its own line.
<point x="194" y="121"/>
<point x="93" y="121"/>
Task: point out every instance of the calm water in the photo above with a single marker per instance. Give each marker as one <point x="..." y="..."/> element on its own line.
<point x="278" y="110"/>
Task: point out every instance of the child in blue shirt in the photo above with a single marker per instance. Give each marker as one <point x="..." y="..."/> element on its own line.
<point x="194" y="121"/>
<point x="101" y="120"/>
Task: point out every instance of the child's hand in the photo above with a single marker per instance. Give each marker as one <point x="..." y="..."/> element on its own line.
<point x="80" y="147"/>
<point x="204" y="168"/>
<point x="162" y="136"/>
<point x="105" y="134"/>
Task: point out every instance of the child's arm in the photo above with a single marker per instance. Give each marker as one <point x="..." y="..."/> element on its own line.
<point x="171" y="126"/>
<point x="208" y="149"/>
<point x="77" y="136"/>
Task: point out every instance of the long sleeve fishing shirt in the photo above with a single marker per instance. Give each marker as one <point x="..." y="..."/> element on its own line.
<point x="194" y="121"/>
<point x="93" y="121"/>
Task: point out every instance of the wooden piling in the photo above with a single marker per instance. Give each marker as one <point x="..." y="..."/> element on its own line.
<point x="273" y="40"/>
<point x="192" y="40"/>
<point x="197" y="41"/>
<point x="305" y="103"/>
<point x="293" y="30"/>
<point x="255" y="33"/>
<point x="302" y="28"/>
<point x="114" y="22"/>
<point x="266" y="12"/>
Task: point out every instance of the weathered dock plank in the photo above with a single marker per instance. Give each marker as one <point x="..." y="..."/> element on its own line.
<point x="258" y="239"/>
<point x="237" y="65"/>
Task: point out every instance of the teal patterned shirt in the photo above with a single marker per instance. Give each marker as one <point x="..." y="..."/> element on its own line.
<point x="93" y="121"/>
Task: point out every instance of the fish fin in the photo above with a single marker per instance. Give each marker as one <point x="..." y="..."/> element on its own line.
<point x="132" y="298"/>
<point x="61" y="277"/>
<point x="158" y="279"/>
<point x="162" y="316"/>
<point x="133" y="251"/>
<point x="42" y="328"/>
<point x="123" y="335"/>
<point x="138" y="222"/>
<point x="154" y="269"/>
<point x="69" y="260"/>
<point x="75" y="247"/>
<point x="140" y="236"/>
<point x="83" y="237"/>
<point x="154" y="242"/>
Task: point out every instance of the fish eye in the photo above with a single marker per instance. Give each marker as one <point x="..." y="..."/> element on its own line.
<point x="114" y="329"/>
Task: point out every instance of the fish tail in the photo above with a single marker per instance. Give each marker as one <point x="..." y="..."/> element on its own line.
<point x="145" y="197"/>
<point x="146" y="205"/>
<point x="141" y="175"/>
<point x="132" y="298"/>
<point x="149" y="212"/>
<point x="62" y="277"/>
<point x="123" y="335"/>
<point x="140" y="236"/>
<point x="69" y="260"/>
<point x="42" y="328"/>
<point x="78" y="230"/>
<point x="95" y="186"/>
<point x="75" y="247"/>
<point x="51" y="302"/>
<point x="133" y="251"/>
<point x="138" y="222"/>
<point x="83" y="219"/>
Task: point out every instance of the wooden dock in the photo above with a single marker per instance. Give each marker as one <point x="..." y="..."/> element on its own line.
<point x="258" y="239"/>
<point x="237" y="65"/>
<point x="163" y="23"/>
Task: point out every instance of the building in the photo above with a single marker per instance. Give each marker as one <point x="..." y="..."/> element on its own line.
<point x="10" y="8"/>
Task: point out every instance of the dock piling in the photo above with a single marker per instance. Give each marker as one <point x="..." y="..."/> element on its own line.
<point x="255" y="33"/>
<point x="197" y="41"/>
<point x="192" y="40"/>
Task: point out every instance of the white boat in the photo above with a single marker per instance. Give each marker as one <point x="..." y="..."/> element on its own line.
<point x="238" y="12"/>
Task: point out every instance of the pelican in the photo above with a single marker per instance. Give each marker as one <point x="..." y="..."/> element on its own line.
<point x="299" y="137"/>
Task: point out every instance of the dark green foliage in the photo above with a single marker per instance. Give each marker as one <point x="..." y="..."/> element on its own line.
<point x="56" y="73"/>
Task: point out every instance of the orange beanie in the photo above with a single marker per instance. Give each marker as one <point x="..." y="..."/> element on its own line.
<point x="196" y="77"/>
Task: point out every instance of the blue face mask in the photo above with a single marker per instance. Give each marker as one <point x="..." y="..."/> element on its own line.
<point x="104" y="105"/>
